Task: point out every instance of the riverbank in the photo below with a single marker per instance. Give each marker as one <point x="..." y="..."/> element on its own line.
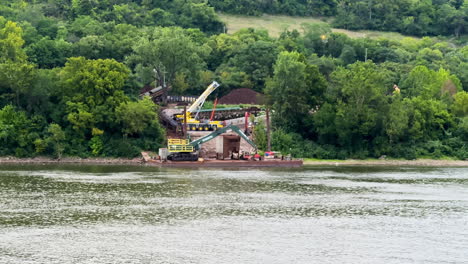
<point x="308" y="162"/>
<point x="70" y="160"/>
<point x="389" y="162"/>
<point x="140" y="161"/>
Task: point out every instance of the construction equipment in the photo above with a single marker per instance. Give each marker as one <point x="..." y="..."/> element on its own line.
<point x="183" y="150"/>
<point x="214" y="109"/>
<point x="192" y="121"/>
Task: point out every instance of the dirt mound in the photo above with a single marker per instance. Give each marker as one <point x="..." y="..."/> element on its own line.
<point x="242" y="96"/>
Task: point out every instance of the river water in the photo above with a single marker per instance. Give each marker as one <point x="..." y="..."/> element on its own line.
<point x="106" y="214"/>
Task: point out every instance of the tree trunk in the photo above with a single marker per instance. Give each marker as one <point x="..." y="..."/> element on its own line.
<point x="268" y="129"/>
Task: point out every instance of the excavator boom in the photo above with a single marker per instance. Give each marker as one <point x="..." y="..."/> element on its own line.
<point x="193" y="123"/>
<point x="183" y="151"/>
<point x="200" y="100"/>
<point x="196" y="143"/>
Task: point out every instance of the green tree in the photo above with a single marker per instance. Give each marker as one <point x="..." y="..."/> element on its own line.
<point x="47" y="53"/>
<point x="259" y="135"/>
<point x="348" y="55"/>
<point x="430" y="84"/>
<point x="223" y="47"/>
<point x="232" y="78"/>
<point x="136" y="117"/>
<point x="92" y="90"/>
<point x="201" y="16"/>
<point x="460" y="105"/>
<point x="294" y="92"/>
<point x="396" y="121"/>
<point x="16" y="73"/>
<point x="11" y="41"/>
<point x="168" y="51"/>
<point x="125" y="13"/>
<point x="84" y="26"/>
<point x="41" y="98"/>
<point x="18" y="132"/>
<point x="256" y="60"/>
<point x="159" y="17"/>
<point x="92" y="47"/>
<point x="357" y="106"/>
<point x="120" y="41"/>
<point x="316" y="37"/>
<point x="56" y="139"/>
<point x="96" y="144"/>
<point x="17" y="77"/>
<point x="429" y="119"/>
<point x="83" y="7"/>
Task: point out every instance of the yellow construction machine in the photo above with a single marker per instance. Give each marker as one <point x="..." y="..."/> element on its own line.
<point x="193" y="124"/>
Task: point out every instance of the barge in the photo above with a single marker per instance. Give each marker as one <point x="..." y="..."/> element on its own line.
<point x="228" y="164"/>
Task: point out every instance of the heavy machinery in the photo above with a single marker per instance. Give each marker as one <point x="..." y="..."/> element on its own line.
<point x="184" y="150"/>
<point x="191" y="115"/>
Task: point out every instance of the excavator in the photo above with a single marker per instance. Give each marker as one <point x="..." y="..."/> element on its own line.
<point x="183" y="150"/>
<point x="193" y="124"/>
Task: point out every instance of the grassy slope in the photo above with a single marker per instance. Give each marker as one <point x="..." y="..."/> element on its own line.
<point x="277" y="24"/>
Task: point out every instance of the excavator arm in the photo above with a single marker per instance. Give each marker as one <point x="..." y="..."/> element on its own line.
<point x="197" y="105"/>
<point x="192" y="120"/>
<point x="181" y="151"/>
<point x="196" y="143"/>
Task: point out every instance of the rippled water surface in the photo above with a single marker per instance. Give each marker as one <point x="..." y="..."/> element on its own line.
<point x="108" y="214"/>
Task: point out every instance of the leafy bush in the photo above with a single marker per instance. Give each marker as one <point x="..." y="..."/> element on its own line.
<point x="120" y="148"/>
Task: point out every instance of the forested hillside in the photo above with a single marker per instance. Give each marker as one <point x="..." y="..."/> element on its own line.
<point x="412" y="17"/>
<point x="71" y="72"/>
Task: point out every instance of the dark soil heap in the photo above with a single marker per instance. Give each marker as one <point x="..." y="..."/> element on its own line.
<point x="242" y="96"/>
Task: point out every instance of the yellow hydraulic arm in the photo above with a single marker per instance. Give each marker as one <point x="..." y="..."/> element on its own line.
<point x="192" y="122"/>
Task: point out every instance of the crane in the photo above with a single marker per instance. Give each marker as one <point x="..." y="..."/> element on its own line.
<point x="182" y="150"/>
<point x="192" y="122"/>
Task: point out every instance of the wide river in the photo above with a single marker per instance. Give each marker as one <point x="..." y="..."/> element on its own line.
<point x="107" y="214"/>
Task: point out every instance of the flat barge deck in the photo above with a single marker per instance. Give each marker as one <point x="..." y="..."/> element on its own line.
<point x="228" y="164"/>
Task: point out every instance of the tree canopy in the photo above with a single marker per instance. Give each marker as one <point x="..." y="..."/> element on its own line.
<point x="71" y="72"/>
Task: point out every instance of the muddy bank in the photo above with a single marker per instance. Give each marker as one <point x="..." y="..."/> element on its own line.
<point x="419" y="162"/>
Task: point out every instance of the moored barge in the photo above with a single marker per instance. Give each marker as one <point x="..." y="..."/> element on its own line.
<point x="228" y="164"/>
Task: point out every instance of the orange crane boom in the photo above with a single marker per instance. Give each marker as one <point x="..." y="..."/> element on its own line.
<point x="214" y="109"/>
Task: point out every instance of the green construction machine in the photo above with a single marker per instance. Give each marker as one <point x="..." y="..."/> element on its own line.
<point x="186" y="150"/>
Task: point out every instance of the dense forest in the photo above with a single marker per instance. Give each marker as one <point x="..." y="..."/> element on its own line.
<point x="71" y="72"/>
